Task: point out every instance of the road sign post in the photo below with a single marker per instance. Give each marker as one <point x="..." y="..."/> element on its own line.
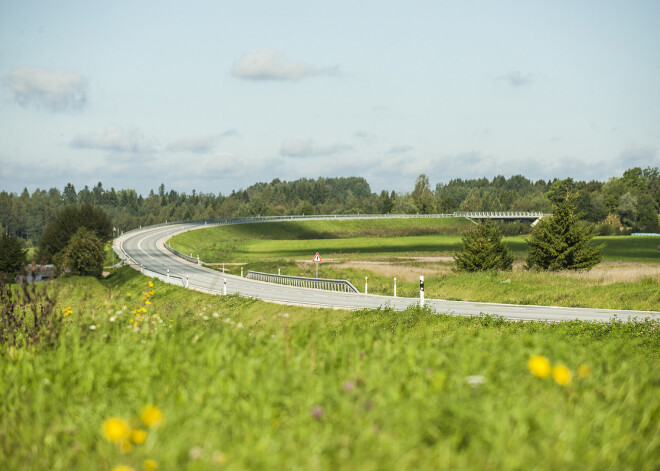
<point x="317" y="260"/>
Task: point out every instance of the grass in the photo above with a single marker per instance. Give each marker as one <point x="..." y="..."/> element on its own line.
<point x="351" y="251"/>
<point x="244" y="384"/>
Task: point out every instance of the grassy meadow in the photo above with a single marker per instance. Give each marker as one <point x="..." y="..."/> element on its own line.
<point x="628" y="277"/>
<point x="188" y="381"/>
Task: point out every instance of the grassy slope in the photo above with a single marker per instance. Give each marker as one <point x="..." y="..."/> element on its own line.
<point x="392" y="386"/>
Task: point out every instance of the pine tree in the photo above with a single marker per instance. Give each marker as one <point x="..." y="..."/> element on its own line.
<point x="562" y="241"/>
<point x="482" y="249"/>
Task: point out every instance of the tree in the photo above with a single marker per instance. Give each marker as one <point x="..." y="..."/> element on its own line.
<point x="423" y="196"/>
<point x="83" y="254"/>
<point x="482" y="249"/>
<point x="562" y="241"/>
<point x="12" y="255"/>
<point x="58" y="233"/>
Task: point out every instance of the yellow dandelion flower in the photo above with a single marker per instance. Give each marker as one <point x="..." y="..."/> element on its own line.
<point x="122" y="467"/>
<point x="584" y="371"/>
<point x="539" y="366"/>
<point x="125" y="447"/>
<point x="151" y="285"/>
<point x="116" y="429"/>
<point x="561" y="374"/>
<point x="150" y="465"/>
<point x="138" y="436"/>
<point x="151" y="416"/>
<point x="151" y="293"/>
<point x="147" y="303"/>
<point x="128" y="295"/>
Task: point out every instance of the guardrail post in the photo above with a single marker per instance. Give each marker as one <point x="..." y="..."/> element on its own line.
<point x="395" y="286"/>
<point x="421" y="290"/>
<point x="224" y="289"/>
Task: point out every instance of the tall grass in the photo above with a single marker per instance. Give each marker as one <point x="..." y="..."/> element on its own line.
<point x="249" y="385"/>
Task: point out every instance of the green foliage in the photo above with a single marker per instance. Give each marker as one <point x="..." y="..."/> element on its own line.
<point x="84" y="254"/>
<point x="12" y="255"/>
<point x="482" y="250"/>
<point x="253" y="385"/>
<point x="562" y="241"/>
<point x="27" y="316"/>
<point x="68" y="222"/>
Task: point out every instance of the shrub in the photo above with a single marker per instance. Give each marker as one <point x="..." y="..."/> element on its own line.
<point x="12" y="255"/>
<point x="482" y="249"/>
<point x="84" y="254"/>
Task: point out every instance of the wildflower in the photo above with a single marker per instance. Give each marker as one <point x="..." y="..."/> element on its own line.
<point x="151" y="293"/>
<point x="317" y="412"/>
<point x="122" y="467"/>
<point x="584" y="371"/>
<point x="138" y="436"/>
<point x="539" y="366"/>
<point x="475" y="380"/>
<point x="348" y="386"/>
<point x="151" y="284"/>
<point x="219" y="458"/>
<point x="92" y="327"/>
<point x="150" y="465"/>
<point x="151" y="416"/>
<point x="125" y="446"/>
<point x="147" y="303"/>
<point x="561" y="374"/>
<point x="128" y="295"/>
<point x="116" y="429"/>
<point x="112" y="319"/>
<point x="195" y="453"/>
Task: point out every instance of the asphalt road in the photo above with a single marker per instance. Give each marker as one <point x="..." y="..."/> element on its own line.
<point x="146" y="249"/>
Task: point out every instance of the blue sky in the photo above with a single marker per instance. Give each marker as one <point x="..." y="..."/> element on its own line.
<point x="215" y="96"/>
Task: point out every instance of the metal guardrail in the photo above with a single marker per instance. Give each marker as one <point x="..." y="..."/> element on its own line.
<point x="182" y="255"/>
<point x="167" y="278"/>
<point x="344" y="286"/>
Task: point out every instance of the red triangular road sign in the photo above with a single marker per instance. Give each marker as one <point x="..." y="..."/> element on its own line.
<point x="317" y="258"/>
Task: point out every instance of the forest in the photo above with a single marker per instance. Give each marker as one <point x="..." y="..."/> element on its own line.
<point x="620" y="205"/>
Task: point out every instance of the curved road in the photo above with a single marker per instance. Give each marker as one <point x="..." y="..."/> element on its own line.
<point x="146" y="249"/>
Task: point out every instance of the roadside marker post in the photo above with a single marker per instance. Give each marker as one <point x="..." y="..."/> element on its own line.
<point x="365" y="285"/>
<point x="187" y="282"/>
<point x="168" y="275"/>
<point x="395" y="286"/>
<point x="241" y="272"/>
<point x="224" y="290"/>
<point x="421" y="290"/>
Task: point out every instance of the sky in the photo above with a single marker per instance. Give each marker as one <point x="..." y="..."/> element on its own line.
<point x="218" y="95"/>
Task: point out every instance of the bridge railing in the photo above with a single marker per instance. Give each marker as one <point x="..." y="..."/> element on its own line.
<point x="302" y="282"/>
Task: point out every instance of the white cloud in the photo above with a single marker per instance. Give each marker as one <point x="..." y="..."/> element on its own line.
<point x="57" y="91"/>
<point x="195" y="144"/>
<point x="115" y="139"/>
<point x="307" y="148"/>
<point x="268" y="64"/>
<point x="639" y="156"/>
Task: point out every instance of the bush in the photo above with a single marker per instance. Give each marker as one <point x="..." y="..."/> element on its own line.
<point x="12" y="255"/>
<point x="84" y="254"/>
<point x="562" y="241"/>
<point x="482" y="249"/>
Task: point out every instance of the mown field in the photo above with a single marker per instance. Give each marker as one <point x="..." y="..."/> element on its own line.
<point x="242" y="384"/>
<point x="380" y="250"/>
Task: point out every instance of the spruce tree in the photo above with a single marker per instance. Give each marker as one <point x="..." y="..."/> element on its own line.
<point x="482" y="249"/>
<point x="563" y="241"/>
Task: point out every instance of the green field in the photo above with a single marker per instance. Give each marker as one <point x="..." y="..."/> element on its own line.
<point x="244" y="384"/>
<point x="628" y="278"/>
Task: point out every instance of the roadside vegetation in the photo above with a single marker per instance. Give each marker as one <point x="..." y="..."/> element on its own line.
<point x="152" y="376"/>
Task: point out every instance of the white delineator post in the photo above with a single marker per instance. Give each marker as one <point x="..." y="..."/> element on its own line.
<point x="395" y="286"/>
<point x="241" y="272"/>
<point x="187" y="282"/>
<point x="168" y="275"/>
<point x="421" y="290"/>
<point x="224" y="290"/>
<point x="365" y="285"/>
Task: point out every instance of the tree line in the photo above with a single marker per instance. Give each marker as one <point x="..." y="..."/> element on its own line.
<point x="619" y="205"/>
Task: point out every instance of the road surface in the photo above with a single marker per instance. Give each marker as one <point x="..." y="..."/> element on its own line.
<point x="146" y="248"/>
